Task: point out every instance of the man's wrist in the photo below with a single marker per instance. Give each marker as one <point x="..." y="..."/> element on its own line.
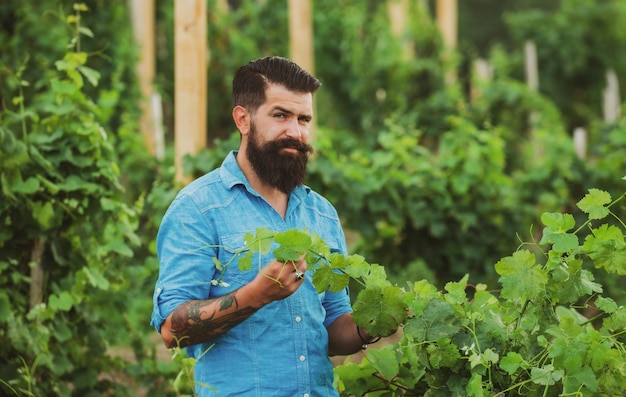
<point x="367" y="340"/>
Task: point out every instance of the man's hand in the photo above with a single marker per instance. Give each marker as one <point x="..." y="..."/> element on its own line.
<point x="278" y="280"/>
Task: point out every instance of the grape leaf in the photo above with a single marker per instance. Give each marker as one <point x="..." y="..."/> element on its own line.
<point x="546" y="375"/>
<point x="443" y="354"/>
<point x="512" y="362"/>
<point x="607" y="305"/>
<point x="475" y="386"/>
<point x="380" y="310"/>
<point x="245" y="261"/>
<point x="616" y="321"/>
<point x="260" y="242"/>
<point x="63" y="301"/>
<point x="456" y="290"/>
<point x="555" y="232"/>
<point x="594" y="203"/>
<point x="317" y="251"/>
<point x="325" y="278"/>
<point x="581" y="376"/>
<point x="356" y="266"/>
<point x="376" y="276"/>
<point x="438" y="321"/>
<point x="293" y="244"/>
<point x="607" y="249"/>
<point x="522" y="279"/>
<point x="385" y="362"/>
<point x="423" y="293"/>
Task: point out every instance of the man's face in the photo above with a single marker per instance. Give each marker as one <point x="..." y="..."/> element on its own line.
<point x="281" y="162"/>
<point x="277" y="141"/>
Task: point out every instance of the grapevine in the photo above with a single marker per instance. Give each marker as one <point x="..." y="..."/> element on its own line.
<point x="331" y="271"/>
<point x="529" y="338"/>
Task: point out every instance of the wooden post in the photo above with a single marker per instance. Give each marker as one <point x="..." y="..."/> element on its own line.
<point x="143" y="15"/>
<point x="530" y="64"/>
<point x="301" y="41"/>
<point x="398" y="11"/>
<point x="447" y="20"/>
<point x="580" y="142"/>
<point x="190" y="80"/>
<point x="301" y="34"/>
<point x="482" y="74"/>
<point x="611" y="98"/>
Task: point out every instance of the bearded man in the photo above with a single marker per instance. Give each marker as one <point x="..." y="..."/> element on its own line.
<point x="263" y="331"/>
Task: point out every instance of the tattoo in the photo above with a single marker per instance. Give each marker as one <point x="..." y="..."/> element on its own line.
<point x="193" y="322"/>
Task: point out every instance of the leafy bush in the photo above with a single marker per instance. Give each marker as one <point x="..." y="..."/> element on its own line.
<point x="66" y="226"/>
<point x="549" y="330"/>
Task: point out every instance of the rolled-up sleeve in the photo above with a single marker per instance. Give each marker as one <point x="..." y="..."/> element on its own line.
<point x="185" y="247"/>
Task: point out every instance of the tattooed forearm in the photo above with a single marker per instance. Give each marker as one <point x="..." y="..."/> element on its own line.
<point x="198" y="321"/>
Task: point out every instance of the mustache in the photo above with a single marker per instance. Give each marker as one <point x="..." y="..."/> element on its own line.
<point x="292" y="144"/>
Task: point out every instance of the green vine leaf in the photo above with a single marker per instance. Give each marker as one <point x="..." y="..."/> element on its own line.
<point x="512" y="362"/>
<point x="555" y="232"/>
<point x="261" y="241"/>
<point x="380" y="310"/>
<point x="594" y="203"/>
<point x="327" y="278"/>
<point x="385" y="362"/>
<point x="546" y="375"/>
<point x="521" y="277"/>
<point x="293" y="244"/>
<point x="438" y="321"/>
<point x="607" y="249"/>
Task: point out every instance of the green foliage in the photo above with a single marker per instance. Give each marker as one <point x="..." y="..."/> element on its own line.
<point x="66" y="225"/>
<point x="531" y="338"/>
<point x="349" y="35"/>
<point x="573" y="75"/>
<point x="424" y="201"/>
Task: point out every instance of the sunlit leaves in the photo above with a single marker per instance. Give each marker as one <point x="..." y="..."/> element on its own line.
<point x="607" y="248"/>
<point x="380" y="310"/>
<point x="556" y="231"/>
<point x="385" y="362"/>
<point x="521" y="277"/>
<point x="293" y="244"/>
<point x="438" y="321"/>
<point x="594" y="203"/>
<point x="325" y="278"/>
<point x="526" y="332"/>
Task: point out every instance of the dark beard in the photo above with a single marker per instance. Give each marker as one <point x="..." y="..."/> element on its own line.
<point x="284" y="171"/>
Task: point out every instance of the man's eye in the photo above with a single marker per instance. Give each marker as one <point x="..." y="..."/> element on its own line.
<point x="279" y="116"/>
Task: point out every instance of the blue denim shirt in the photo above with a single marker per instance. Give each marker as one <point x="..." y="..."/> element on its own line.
<point x="282" y="349"/>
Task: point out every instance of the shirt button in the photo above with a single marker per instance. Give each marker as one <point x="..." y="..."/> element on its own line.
<point x="298" y="319"/>
<point x="302" y="358"/>
<point x="305" y="395"/>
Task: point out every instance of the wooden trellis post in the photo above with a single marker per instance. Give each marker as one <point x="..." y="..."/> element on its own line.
<point x="398" y="11"/>
<point x="447" y="20"/>
<point x="301" y="34"/>
<point x="301" y="39"/>
<point x="611" y="97"/>
<point x="142" y="12"/>
<point x="190" y="81"/>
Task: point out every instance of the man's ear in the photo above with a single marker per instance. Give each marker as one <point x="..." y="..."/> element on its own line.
<point x="241" y="117"/>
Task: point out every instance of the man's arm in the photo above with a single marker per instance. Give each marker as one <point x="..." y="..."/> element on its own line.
<point x="343" y="337"/>
<point x="198" y="321"/>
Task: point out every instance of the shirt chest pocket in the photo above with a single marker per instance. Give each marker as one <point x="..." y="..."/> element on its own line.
<point x="237" y="266"/>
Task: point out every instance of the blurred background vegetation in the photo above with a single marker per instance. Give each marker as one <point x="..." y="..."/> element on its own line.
<point x="432" y="179"/>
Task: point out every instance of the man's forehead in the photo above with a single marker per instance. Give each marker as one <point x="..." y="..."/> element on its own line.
<point x="277" y="96"/>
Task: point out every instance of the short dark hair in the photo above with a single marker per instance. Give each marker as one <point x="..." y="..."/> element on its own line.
<point x="251" y="80"/>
